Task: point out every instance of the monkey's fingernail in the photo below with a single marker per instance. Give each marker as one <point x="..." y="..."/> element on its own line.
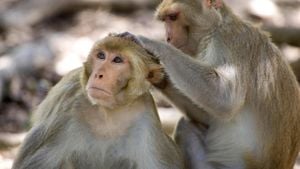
<point x="112" y="34"/>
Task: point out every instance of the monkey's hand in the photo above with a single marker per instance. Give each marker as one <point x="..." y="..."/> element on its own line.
<point x="127" y="35"/>
<point x="151" y="46"/>
<point x="156" y="49"/>
<point x="161" y="50"/>
<point x="139" y="40"/>
<point x="163" y="82"/>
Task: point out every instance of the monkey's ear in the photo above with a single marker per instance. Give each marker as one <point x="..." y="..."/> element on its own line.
<point x="213" y="3"/>
<point x="156" y="74"/>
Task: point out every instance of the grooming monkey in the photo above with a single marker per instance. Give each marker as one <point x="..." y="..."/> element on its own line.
<point x="102" y="116"/>
<point x="240" y="97"/>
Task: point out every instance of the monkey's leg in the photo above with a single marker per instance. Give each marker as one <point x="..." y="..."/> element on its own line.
<point x="190" y="140"/>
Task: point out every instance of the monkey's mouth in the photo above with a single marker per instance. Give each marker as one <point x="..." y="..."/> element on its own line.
<point x="99" y="89"/>
<point x="180" y="46"/>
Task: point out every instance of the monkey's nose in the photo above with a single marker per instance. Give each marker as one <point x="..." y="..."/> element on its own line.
<point x="168" y="39"/>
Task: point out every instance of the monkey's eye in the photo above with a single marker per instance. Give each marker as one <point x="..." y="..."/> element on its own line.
<point x="118" y="59"/>
<point x="173" y="16"/>
<point x="101" y="55"/>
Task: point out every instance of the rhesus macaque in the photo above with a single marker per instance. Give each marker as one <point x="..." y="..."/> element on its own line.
<point x="102" y="116"/>
<point x="240" y="97"/>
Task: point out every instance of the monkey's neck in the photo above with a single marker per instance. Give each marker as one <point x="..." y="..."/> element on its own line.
<point x="138" y="104"/>
<point x="114" y="122"/>
<point x="205" y="36"/>
<point x="236" y="33"/>
<point x="232" y="32"/>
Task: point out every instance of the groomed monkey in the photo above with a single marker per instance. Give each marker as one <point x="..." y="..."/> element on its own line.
<point x="102" y="116"/>
<point x="240" y="97"/>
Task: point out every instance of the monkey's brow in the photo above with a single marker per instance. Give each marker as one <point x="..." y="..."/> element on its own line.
<point x="161" y="17"/>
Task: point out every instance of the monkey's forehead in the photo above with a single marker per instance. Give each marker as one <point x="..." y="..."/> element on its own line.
<point x="122" y="46"/>
<point x="170" y="6"/>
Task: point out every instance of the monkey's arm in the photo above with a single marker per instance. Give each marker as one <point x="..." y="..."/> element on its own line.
<point x="38" y="145"/>
<point x="205" y="86"/>
<point x="183" y="103"/>
<point x="32" y="142"/>
<point x="34" y="152"/>
<point x="51" y="116"/>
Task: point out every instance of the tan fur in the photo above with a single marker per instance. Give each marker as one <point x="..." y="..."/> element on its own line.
<point x="233" y="85"/>
<point x="71" y="132"/>
<point x="132" y="51"/>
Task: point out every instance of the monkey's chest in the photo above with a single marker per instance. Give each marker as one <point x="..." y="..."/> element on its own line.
<point x="216" y="54"/>
<point x="128" y="151"/>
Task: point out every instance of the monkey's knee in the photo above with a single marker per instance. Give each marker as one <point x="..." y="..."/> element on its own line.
<point x="181" y="128"/>
<point x="186" y="129"/>
<point x="190" y="139"/>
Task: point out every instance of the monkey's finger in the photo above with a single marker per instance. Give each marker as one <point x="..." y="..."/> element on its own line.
<point x="139" y="40"/>
<point x="121" y="35"/>
<point x="148" y="45"/>
<point x="112" y="34"/>
<point x="129" y="36"/>
<point x="126" y="35"/>
<point x="135" y="39"/>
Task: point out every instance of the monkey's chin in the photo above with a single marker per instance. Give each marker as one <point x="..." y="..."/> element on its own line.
<point x="105" y="101"/>
<point x="101" y="99"/>
<point x="99" y="94"/>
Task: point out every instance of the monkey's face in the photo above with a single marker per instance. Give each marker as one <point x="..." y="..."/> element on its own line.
<point x="186" y="22"/>
<point x="118" y="71"/>
<point x="176" y="27"/>
<point x="109" y="76"/>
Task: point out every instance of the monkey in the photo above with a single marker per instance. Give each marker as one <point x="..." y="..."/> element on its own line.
<point x="239" y="96"/>
<point x="102" y="116"/>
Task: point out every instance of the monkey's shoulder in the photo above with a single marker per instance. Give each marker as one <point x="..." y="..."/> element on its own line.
<point x="70" y="81"/>
<point x="61" y="97"/>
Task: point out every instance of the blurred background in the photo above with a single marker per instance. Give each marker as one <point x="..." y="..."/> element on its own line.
<point x="41" y="40"/>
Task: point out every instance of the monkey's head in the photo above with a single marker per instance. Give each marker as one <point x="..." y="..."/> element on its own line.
<point x="118" y="71"/>
<point x="187" y="21"/>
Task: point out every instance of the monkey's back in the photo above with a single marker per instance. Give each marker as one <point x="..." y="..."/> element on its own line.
<point x="272" y="92"/>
